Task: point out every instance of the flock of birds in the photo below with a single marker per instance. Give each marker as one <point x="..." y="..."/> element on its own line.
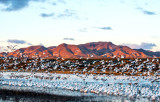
<point x="115" y="66"/>
<point x="130" y="86"/>
<point x="135" y="78"/>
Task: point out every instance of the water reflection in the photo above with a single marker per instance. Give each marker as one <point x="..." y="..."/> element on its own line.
<point x="24" y="96"/>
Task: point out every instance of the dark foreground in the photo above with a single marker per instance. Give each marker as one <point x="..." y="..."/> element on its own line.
<point x="26" y="96"/>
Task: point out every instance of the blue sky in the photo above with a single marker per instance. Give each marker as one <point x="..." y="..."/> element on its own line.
<point x="134" y="23"/>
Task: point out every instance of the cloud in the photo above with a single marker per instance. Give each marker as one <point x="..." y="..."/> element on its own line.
<point x="62" y="1"/>
<point x="14" y="5"/>
<point x="54" y="3"/>
<point x="15" y="41"/>
<point x="149" y="13"/>
<point x="143" y="45"/>
<point x="146" y="11"/>
<point x="67" y="13"/>
<point x="105" y="28"/>
<point x="68" y="38"/>
<point x="58" y="1"/>
<point x="47" y="15"/>
<point x="29" y="44"/>
<point x="61" y="15"/>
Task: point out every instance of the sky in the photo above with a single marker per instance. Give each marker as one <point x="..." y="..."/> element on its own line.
<point x="134" y="23"/>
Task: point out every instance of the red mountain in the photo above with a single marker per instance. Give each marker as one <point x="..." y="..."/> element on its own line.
<point x="108" y="49"/>
<point x="88" y="50"/>
<point x="32" y="51"/>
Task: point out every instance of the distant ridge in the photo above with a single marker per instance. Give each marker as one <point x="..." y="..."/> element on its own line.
<point x="149" y="53"/>
<point x="88" y="50"/>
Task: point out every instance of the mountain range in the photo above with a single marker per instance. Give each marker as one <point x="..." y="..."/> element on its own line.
<point x="89" y="50"/>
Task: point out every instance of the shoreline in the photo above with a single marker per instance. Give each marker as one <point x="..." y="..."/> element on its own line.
<point x="89" y="73"/>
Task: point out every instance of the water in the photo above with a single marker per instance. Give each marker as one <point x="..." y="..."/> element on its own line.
<point x="49" y="87"/>
<point x="14" y="96"/>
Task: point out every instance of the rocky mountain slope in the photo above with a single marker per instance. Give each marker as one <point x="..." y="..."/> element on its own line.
<point x="88" y="50"/>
